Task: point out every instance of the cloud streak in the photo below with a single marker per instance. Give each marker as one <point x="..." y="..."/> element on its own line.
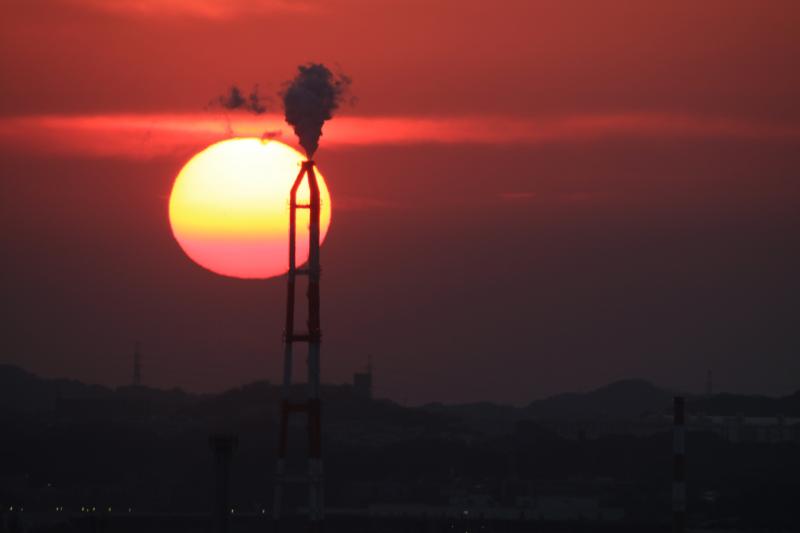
<point x="146" y="136"/>
<point x="204" y="9"/>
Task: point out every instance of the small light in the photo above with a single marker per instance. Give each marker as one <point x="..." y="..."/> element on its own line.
<point x="11" y="508"/>
<point x="109" y="509"/>
<point x="232" y="511"/>
<point x="94" y="509"/>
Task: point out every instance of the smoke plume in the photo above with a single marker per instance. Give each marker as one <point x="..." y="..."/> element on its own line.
<point x="310" y="99"/>
<point x="235" y="99"/>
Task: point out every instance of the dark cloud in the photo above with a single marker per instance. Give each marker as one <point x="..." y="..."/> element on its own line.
<point x="235" y="99"/>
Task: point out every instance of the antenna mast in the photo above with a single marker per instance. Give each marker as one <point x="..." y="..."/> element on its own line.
<point x="137" y="364"/>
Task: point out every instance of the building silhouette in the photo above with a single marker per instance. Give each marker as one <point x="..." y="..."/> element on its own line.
<point x="137" y="365"/>
<point x="362" y="381"/>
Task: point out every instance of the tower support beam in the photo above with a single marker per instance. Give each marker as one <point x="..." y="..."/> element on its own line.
<point x="312" y="407"/>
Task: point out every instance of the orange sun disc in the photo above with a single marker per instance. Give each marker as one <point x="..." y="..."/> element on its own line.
<point x="229" y="208"/>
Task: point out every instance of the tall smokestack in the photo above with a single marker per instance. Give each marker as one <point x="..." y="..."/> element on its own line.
<point x="309" y="100"/>
<point x="222" y="445"/>
<point x="679" y="466"/>
<point x="312" y="337"/>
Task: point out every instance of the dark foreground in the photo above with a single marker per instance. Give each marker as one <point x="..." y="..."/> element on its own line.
<point x="79" y="457"/>
<point x="336" y="523"/>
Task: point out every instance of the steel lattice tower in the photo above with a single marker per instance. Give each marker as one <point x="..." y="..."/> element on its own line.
<point x="311" y="407"/>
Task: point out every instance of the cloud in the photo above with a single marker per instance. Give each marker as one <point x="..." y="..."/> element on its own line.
<point x="205" y="9"/>
<point x="236" y="100"/>
<point x="517" y="196"/>
<point x="363" y="203"/>
<point x="145" y="136"/>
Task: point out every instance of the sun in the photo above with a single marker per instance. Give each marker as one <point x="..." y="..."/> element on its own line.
<point x="229" y="208"/>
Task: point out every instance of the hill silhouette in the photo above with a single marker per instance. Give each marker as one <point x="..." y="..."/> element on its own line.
<point x="23" y="391"/>
<point x="69" y="443"/>
<point x="621" y="399"/>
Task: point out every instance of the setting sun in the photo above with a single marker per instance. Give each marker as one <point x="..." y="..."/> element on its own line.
<point x="229" y="207"/>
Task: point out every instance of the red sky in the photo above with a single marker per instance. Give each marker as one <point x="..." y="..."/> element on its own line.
<point x="532" y="196"/>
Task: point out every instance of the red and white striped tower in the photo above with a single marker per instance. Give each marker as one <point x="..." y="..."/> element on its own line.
<point x="313" y="336"/>
<point x="679" y="466"/>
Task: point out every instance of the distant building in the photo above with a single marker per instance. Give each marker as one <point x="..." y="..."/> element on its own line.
<point x="137" y="365"/>
<point x="362" y="382"/>
<point x="750" y="428"/>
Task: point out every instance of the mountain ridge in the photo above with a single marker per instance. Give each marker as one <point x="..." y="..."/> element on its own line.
<point x="21" y="390"/>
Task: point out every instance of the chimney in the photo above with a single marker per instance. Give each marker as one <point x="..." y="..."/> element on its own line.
<point x="223" y="445"/>
<point x="679" y="466"/>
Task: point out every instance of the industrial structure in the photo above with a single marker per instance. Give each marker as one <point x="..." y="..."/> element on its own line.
<point x="312" y="337"/>
<point x="362" y="381"/>
<point x="223" y="446"/>
<point x="679" y="466"/>
<point x="137" y="365"/>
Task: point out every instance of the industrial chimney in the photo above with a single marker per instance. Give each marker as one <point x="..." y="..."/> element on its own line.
<point x="679" y="466"/>
<point x="312" y="337"/>
<point x="222" y="445"/>
<point x="309" y="100"/>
